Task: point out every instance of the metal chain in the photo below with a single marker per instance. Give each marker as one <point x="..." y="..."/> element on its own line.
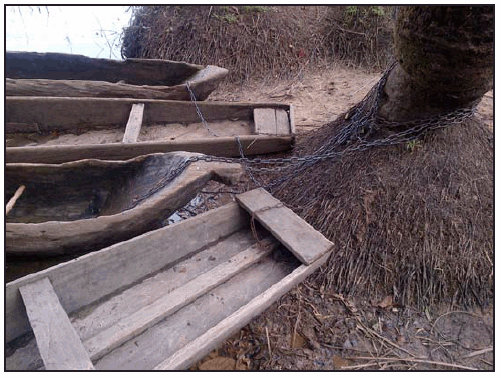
<point x="199" y="112"/>
<point x="362" y="122"/>
<point x="246" y="162"/>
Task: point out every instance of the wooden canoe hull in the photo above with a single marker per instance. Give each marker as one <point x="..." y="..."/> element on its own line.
<point x="76" y="207"/>
<point x="188" y="287"/>
<point x="54" y="130"/>
<point x="67" y="75"/>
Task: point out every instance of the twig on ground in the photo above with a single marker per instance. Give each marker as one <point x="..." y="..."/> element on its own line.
<point x="453" y="312"/>
<point x="478" y="352"/>
<point x="415" y="360"/>
<point x="14" y="198"/>
<point x="268" y="340"/>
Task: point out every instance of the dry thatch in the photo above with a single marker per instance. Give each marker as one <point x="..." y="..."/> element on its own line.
<point x="252" y="41"/>
<point x="412" y="221"/>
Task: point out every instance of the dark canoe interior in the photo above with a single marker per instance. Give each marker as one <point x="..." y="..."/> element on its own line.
<point x="85" y="189"/>
<point x="59" y="66"/>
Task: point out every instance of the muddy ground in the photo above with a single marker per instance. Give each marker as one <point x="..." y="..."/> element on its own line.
<point x="312" y="329"/>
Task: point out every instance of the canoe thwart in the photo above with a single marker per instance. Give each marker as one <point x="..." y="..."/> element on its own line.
<point x="134" y="123"/>
<point x="271" y="121"/>
<point x="306" y="243"/>
<point x="58" y="343"/>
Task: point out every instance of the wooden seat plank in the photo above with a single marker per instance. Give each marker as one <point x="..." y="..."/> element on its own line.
<point x="265" y="121"/>
<point x="59" y="345"/>
<point x="306" y="243"/>
<point x="282" y="120"/>
<point x="129" y="327"/>
<point x="134" y="124"/>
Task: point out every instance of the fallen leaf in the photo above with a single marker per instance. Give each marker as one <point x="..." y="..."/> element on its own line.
<point x="386" y="302"/>
<point x="339" y="362"/>
<point x="219" y="363"/>
<point x="214" y="354"/>
<point x="297" y="340"/>
<point x="242" y="364"/>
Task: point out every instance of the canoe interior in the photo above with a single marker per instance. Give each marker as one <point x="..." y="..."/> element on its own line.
<point x="34" y="121"/>
<point x="89" y="189"/>
<point x="60" y="66"/>
<point x="163" y="339"/>
<point x="154" y="133"/>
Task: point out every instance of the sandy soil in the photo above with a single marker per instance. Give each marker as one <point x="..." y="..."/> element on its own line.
<point x="311" y="329"/>
<point x="319" y="97"/>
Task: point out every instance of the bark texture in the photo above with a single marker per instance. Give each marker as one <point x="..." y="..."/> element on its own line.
<point x="445" y="60"/>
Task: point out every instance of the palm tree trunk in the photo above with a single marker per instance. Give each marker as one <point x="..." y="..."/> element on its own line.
<point x="444" y="61"/>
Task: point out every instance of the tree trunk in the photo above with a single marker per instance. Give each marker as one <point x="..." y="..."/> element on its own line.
<point x="444" y="61"/>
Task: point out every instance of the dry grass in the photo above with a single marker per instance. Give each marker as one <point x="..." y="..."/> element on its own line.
<point x="416" y="224"/>
<point x="261" y="41"/>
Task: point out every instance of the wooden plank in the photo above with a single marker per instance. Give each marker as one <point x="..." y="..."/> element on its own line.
<point x="71" y="113"/>
<point x="306" y="243"/>
<point x="153" y="346"/>
<point x="222" y="146"/>
<point x="193" y="351"/>
<point x="282" y="119"/>
<point x="57" y="340"/>
<point x="291" y="120"/>
<point x="265" y="121"/>
<point x="90" y="277"/>
<point x="134" y="123"/>
<point x="135" y="324"/>
<point x="127" y="302"/>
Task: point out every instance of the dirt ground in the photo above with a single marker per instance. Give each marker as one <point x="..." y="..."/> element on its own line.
<point x="312" y="329"/>
<point x="319" y="97"/>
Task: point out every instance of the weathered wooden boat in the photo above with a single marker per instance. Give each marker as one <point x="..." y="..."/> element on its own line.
<point x="55" y="130"/>
<point x="68" y="75"/>
<point x="166" y="298"/>
<point x="81" y="206"/>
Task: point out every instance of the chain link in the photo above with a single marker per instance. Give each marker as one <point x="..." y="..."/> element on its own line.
<point x="199" y="112"/>
<point x="361" y="122"/>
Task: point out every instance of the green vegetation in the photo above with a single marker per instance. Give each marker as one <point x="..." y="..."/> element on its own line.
<point x="413" y="145"/>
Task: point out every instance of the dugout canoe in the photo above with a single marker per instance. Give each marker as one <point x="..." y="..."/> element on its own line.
<point x="81" y="206"/>
<point x="55" y="130"/>
<point x="69" y="75"/>
<point x="165" y="299"/>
